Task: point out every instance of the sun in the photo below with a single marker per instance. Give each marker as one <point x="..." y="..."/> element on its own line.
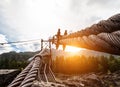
<point x="72" y="49"/>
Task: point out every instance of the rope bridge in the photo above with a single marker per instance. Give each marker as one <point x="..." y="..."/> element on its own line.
<point x="103" y="36"/>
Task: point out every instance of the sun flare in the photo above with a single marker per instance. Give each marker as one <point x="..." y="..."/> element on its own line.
<point x="72" y="49"/>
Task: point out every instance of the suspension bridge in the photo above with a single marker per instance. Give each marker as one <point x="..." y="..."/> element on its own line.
<point x="103" y="37"/>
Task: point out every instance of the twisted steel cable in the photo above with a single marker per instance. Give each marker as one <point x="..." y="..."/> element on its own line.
<point x="107" y="26"/>
<point x="32" y="75"/>
<point x="103" y="36"/>
<point x="28" y="75"/>
<point x="33" y="72"/>
<point x="17" y="81"/>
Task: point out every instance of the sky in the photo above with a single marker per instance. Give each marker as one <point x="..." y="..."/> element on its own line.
<point x="35" y="19"/>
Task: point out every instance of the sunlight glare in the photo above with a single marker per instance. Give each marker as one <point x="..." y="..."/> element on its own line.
<point x="72" y="49"/>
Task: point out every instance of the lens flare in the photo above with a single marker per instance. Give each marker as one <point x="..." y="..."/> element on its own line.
<point x="72" y="49"/>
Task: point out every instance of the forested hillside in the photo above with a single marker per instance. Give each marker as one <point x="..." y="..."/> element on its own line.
<point x="83" y="64"/>
<point x="13" y="60"/>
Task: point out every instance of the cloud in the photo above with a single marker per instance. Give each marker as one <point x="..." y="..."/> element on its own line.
<point x="34" y="19"/>
<point x="28" y="18"/>
<point x="29" y="46"/>
<point x="4" y="48"/>
<point x="104" y="3"/>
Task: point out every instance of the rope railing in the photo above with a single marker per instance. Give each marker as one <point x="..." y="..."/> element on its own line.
<point x="31" y="76"/>
<point x="18" y="80"/>
<point x="103" y="36"/>
<point x="110" y="25"/>
<point x="33" y="72"/>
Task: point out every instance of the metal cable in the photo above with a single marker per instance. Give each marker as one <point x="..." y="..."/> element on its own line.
<point x="31" y="76"/>
<point x="36" y="70"/>
<point x="103" y="36"/>
<point x="17" y="81"/>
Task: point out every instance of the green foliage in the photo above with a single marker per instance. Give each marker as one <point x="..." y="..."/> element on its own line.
<point x="113" y="63"/>
<point x="83" y="64"/>
<point x="13" y="60"/>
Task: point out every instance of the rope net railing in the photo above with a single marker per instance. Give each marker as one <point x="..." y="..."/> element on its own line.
<point x="103" y="36"/>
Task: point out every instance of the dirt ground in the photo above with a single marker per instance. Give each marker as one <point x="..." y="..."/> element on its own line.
<point x="83" y="80"/>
